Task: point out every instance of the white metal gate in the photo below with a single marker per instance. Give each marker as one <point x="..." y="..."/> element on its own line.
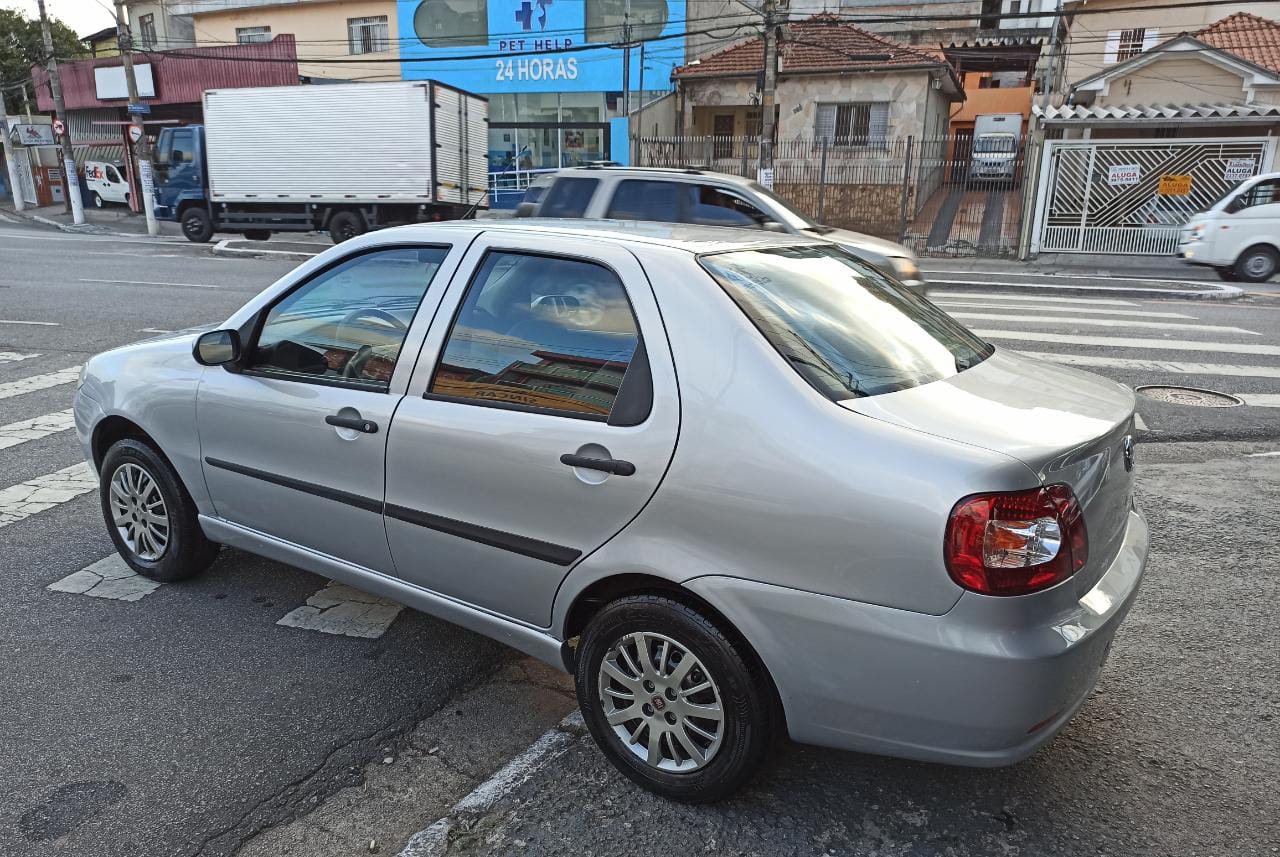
<point x="1131" y="196"/>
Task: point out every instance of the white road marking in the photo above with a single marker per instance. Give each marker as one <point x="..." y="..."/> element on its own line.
<point x="1086" y="310"/>
<point x="1101" y="322"/>
<point x="32" y="323"/>
<point x="36" y="428"/>
<point x="39" y="382"/>
<point x="107" y="578"/>
<point x="21" y="501"/>
<point x="14" y="356"/>
<point x="1263" y="454"/>
<point x="1128" y="342"/>
<point x="154" y="330"/>
<point x="1260" y="400"/>
<point x="1173" y="367"/>
<point x="150" y="283"/>
<point x="342" y="609"/>
<point x="986" y="296"/>
<point x="1114" y="276"/>
<point x="1139" y="423"/>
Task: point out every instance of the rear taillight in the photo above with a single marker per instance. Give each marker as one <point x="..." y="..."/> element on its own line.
<point x="1017" y="542"/>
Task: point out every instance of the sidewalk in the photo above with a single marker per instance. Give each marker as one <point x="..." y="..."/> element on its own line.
<point x="111" y="220"/>
<point x="1127" y="267"/>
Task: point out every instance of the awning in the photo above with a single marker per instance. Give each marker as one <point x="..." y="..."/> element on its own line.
<point x="1173" y="114"/>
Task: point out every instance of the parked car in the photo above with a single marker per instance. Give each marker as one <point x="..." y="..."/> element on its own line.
<point x="1239" y="236"/>
<point x="850" y="518"/>
<point x="699" y="197"/>
<point x="996" y="150"/>
<point x="106" y="183"/>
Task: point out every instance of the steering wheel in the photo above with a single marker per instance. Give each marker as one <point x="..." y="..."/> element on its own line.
<point x="355" y="365"/>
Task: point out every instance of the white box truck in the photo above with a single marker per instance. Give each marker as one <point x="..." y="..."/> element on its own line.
<point x="342" y="158"/>
<point x="996" y="147"/>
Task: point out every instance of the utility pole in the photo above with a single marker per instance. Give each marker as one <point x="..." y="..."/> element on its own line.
<point x="141" y="147"/>
<point x="70" y="183"/>
<point x="9" y="155"/>
<point x="769" y="85"/>
<point x="626" y="63"/>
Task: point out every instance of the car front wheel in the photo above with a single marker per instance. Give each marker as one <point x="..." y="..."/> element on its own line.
<point x="1257" y="264"/>
<point x="150" y="516"/>
<point x="676" y="704"/>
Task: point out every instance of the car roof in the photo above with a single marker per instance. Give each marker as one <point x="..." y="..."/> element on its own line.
<point x="690" y="173"/>
<point x="694" y="239"/>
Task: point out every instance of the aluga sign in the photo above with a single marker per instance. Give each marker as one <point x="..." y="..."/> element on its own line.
<point x="538" y="45"/>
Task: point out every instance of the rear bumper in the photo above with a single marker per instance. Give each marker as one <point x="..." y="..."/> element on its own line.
<point x="985" y="684"/>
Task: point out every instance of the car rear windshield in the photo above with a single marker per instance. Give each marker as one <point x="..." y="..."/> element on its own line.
<point x="846" y="328"/>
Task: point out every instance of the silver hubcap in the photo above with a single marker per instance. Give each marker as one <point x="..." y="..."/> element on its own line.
<point x="1258" y="264"/>
<point x="661" y="702"/>
<point x="138" y="512"/>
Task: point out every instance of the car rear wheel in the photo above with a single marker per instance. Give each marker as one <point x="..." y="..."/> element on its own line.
<point x="676" y="704"/>
<point x="196" y="225"/>
<point x="150" y="516"/>
<point x="97" y="200"/>
<point x="1257" y="264"/>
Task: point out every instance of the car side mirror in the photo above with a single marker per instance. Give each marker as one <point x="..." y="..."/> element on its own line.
<point x="217" y="348"/>
<point x="773" y="226"/>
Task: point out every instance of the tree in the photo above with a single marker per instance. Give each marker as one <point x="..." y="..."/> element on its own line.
<point x="22" y="46"/>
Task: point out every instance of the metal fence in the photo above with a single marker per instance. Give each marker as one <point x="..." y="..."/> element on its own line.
<point x="936" y="195"/>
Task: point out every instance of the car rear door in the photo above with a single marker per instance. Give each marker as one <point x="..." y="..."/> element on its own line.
<point x="539" y="422"/>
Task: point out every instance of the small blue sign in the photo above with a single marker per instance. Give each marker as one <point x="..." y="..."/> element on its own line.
<point x="140" y="108"/>
<point x="537" y="45"/>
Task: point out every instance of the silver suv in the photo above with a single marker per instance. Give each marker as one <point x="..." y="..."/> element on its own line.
<point x="706" y="198"/>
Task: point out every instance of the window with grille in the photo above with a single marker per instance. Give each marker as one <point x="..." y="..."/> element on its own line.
<point x="368" y="35"/>
<point x="860" y="123"/>
<point x="147" y="31"/>
<point x="1131" y="42"/>
<point x="250" y="35"/>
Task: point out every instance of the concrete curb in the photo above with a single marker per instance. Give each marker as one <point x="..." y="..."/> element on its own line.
<point x="1209" y="293"/>
<point x="434" y="840"/>
<point x="83" y="229"/>
<point x="222" y="248"/>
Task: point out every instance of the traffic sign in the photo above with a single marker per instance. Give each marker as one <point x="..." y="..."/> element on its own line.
<point x="139" y="108"/>
<point x="59" y="127"/>
<point x="135" y="133"/>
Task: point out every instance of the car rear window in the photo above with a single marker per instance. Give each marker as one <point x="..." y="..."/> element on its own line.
<point x="845" y="327"/>
<point x="568" y="197"/>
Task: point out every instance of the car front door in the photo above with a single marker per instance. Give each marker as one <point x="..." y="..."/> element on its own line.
<point x="1255" y="214"/>
<point x="114" y="188"/>
<point x="293" y="445"/>
<point x="540" y="420"/>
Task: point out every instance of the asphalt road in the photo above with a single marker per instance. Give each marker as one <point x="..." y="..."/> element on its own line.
<point x="186" y="722"/>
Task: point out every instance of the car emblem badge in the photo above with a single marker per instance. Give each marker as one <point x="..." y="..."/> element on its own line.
<point x="659" y="703"/>
<point x="1126" y="447"/>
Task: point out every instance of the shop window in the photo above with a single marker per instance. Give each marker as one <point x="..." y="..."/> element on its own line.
<point x="368" y="35"/>
<point x="859" y="123"/>
<point x="253" y="35"/>
<point x="450" y="23"/>
<point x="606" y="18"/>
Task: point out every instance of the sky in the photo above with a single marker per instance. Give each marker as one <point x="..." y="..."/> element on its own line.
<point x="83" y="16"/>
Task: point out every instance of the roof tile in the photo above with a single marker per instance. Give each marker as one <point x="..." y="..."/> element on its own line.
<point x="1249" y="37"/>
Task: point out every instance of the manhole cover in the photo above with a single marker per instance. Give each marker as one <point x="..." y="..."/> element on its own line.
<point x="1189" y="396"/>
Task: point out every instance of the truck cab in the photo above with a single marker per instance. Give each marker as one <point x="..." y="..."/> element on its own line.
<point x="1239" y="236"/>
<point x="180" y="174"/>
<point x="995" y="147"/>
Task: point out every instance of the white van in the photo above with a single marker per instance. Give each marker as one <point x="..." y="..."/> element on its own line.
<point x="106" y="182"/>
<point x="1239" y="236"/>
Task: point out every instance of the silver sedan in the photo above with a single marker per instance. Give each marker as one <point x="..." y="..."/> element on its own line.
<point x="735" y="482"/>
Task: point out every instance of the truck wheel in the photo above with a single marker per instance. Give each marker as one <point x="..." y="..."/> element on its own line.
<point x="1257" y="264"/>
<point x="345" y="225"/>
<point x="97" y="200"/>
<point x="257" y="234"/>
<point x="196" y="225"/>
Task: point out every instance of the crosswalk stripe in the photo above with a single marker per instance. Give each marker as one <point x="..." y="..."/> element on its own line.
<point x="110" y="577"/>
<point x="32" y="323"/>
<point x="342" y="609"/>
<point x="18" y="502"/>
<point x="1086" y="310"/>
<point x="39" y="382"/>
<point x="1173" y="367"/>
<point x="1100" y="322"/>
<point x="1129" y="342"/>
<point x="36" y="428"/>
<point x="14" y="356"/>
<point x="1260" y="400"/>
<point x="986" y="296"/>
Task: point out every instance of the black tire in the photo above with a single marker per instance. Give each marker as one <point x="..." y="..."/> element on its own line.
<point x="97" y="200"/>
<point x="345" y="225"/>
<point x="187" y="551"/>
<point x="257" y="234"/>
<point x="1227" y="274"/>
<point x="1257" y="264"/>
<point x="745" y="697"/>
<point x="196" y="225"/>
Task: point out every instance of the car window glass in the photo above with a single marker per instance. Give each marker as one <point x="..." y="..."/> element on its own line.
<point x="181" y="147"/>
<point x="637" y="199"/>
<point x="568" y="197"/>
<point x="846" y="328"/>
<point x="715" y="207"/>
<point x="1263" y="193"/>
<point x="112" y="175"/>
<point x="540" y="332"/>
<point x="346" y="326"/>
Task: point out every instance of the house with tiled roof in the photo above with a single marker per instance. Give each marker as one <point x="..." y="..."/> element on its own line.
<point x="835" y="81"/>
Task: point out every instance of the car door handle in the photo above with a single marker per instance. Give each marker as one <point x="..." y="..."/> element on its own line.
<point x="356" y="423"/>
<point x="609" y="465"/>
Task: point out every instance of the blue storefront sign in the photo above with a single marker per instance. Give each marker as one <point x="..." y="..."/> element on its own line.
<point x="538" y="45"/>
